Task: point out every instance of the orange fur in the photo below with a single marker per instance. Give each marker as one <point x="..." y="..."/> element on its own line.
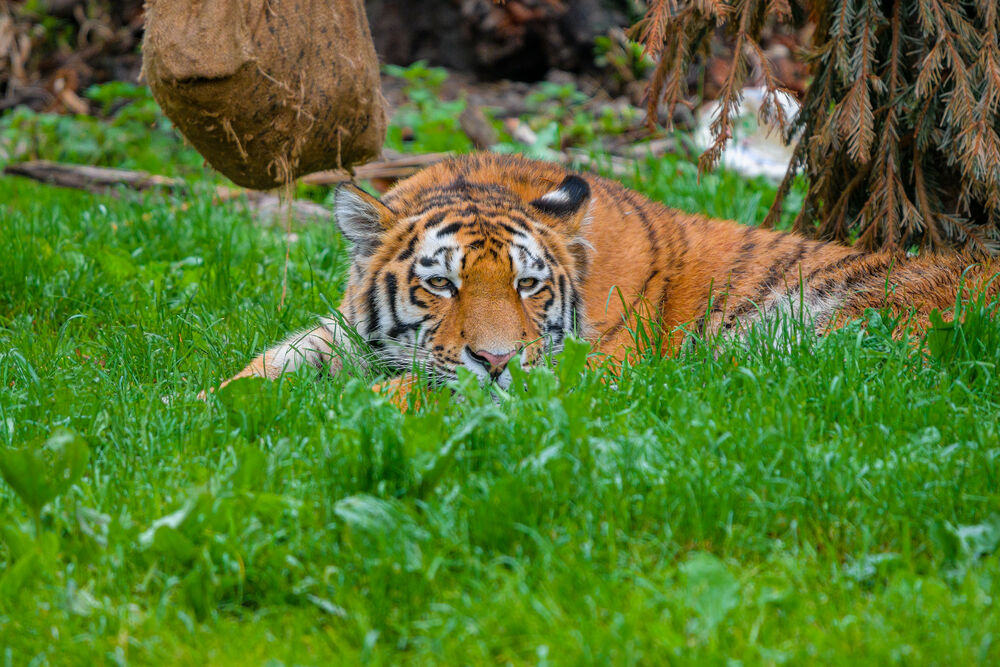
<point x="622" y="256"/>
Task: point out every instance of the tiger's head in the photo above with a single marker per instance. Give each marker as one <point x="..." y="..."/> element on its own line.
<point x="465" y="274"/>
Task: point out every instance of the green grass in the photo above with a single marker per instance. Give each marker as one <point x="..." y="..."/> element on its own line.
<point x="833" y="501"/>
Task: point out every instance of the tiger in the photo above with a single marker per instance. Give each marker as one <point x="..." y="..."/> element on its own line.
<point x="480" y="260"/>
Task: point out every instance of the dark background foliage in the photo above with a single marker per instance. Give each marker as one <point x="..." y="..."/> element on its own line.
<point x="898" y="133"/>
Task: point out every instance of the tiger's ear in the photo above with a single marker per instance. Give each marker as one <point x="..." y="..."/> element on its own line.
<point x="567" y="205"/>
<point x="363" y="219"/>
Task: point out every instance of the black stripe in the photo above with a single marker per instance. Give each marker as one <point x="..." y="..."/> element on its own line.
<point x="839" y="264"/>
<point x="551" y="298"/>
<point x="631" y="308"/>
<point x="840" y="281"/>
<point x="415" y="298"/>
<point x="398" y="326"/>
<point x="391" y="289"/>
<point x="510" y="230"/>
<point x="774" y="274"/>
<point x="563" y="300"/>
<point x="409" y="250"/>
<point x="649" y="279"/>
<point x="577" y="306"/>
<point x="654" y="243"/>
<point x="434" y="220"/>
<point x="746" y="250"/>
<point x="373" y="318"/>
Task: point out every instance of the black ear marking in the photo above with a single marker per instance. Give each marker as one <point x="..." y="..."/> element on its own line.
<point x="566" y="199"/>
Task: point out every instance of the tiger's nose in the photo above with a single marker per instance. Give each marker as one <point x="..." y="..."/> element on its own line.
<point x="492" y="361"/>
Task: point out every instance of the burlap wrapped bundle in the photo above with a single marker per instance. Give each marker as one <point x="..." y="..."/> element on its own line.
<point x="267" y="90"/>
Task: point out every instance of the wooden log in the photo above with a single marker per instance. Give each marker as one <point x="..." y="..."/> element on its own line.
<point x="268" y="208"/>
<point x="391" y="168"/>
<point x="86" y="177"/>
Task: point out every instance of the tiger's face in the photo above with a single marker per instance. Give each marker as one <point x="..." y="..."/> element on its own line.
<point x="465" y="275"/>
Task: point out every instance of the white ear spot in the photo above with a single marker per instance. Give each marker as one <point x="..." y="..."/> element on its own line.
<point x="554" y="198"/>
<point x="565" y="200"/>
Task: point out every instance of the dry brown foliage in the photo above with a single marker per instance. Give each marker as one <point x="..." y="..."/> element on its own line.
<point x="899" y="132"/>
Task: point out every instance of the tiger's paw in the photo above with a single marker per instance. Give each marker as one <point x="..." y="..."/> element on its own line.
<point x="204" y="393"/>
<point x="398" y="391"/>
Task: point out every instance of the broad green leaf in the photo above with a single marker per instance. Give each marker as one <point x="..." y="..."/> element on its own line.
<point x="170" y="542"/>
<point x="251" y="470"/>
<point x="17" y="541"/>
<point x="27" y="473"/>
<point x="15" y="578"/>
<point x="712" y="590"/>
<point x="118" y="263"/>
<point x="173" y="520"/>
<point x="249" y="406"/>
<point x="70" y="456"/>
<point x="573" y="361"/>
<point x="39" y="475"/>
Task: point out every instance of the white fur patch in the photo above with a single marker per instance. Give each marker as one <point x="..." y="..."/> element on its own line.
<point x="503" y="380"/>
<point x="446" y="254"/>
<point x="524" y="267"/>
<point x="299" y="349"/>
<point x="556" y="197"/>
<point x="813" y="309"/>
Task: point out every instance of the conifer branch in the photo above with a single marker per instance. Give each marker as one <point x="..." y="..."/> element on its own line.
<point x="899" y="130"/>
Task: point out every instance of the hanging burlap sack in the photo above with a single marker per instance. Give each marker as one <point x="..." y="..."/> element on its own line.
<point x="267" y="90"/>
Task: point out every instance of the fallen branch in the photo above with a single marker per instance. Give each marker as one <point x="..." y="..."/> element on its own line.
<point x="388" y="169"/>
<point x="86" y="177"/>
<point x="104" y="180"/>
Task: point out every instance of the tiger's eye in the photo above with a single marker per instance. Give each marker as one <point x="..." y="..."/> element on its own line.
<point x="527" y="283"/>
<point x="438" y="282"/>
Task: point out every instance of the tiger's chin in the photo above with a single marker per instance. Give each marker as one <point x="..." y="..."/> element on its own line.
<point x="502" y="380"/>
